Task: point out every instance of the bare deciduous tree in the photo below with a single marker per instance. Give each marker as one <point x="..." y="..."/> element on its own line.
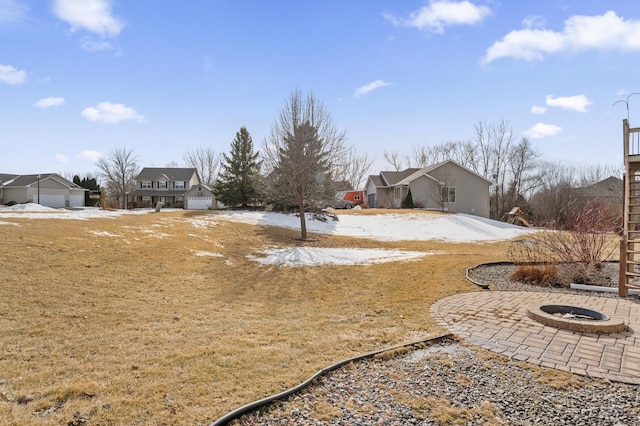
<point x="441" y="191"/>
<point x="301" y="151"/>
<point x="493" y="142"/>
<point x="118" y="171"/>
<point x="206" y="161"/>
<point x="590" y="174"/>
<point x="551" y="202"/>
<point x="354" y="168"/>
<point x="462" y="152"/>
<point x="394" y="160"/>
<point x="524" y="176"/>
<point x="421" y="156"/>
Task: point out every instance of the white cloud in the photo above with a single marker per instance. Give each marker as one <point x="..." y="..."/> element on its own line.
<point x="11" y="75"/>
<point x="575" y="103"/>
<point x="600" y="32"/>
<point x="538" y="109"/>
<point x="370" y="87"/>
<point x="89" y="15"/>
<point x="49" y="102"/>
<point x="109" y="113"/>
<point x="439" y="14"/>
<point x="12" y="11"/>
<point x="61" y="158"/>
<point x="89" y="155"/>
<point x="542" y="130"/>
<point x="95" y="46"/>
<point x="533" y="21"/>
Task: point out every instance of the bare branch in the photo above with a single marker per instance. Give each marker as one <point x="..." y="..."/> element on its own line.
<point x="394" y="160"/>
<point x="119" y="170"/>
<point x="207" y="163"/>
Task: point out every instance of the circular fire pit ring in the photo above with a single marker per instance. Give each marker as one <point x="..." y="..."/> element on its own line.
<point x="575" y="318"/>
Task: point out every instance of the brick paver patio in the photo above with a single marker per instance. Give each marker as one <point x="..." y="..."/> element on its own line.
<point x="497" y="320"/>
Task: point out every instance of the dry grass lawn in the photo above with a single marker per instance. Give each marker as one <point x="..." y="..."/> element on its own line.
<point x="117" y="321"/>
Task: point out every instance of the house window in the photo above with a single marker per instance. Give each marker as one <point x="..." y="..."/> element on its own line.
<point x="162" y="184"/>
<point x="179" y="185"/>
<point x="179" y="200"/>
<point x="146" y="199"/>
<point x="448" y="194"/>
<point x="146" y="185"/>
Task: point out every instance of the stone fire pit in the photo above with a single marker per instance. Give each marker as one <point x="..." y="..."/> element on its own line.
<point x="575" y="318"/>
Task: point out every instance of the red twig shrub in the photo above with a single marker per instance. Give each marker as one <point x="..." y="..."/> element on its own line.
<point x="587" y="240"/>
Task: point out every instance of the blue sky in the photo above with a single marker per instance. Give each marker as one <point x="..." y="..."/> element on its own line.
<point x="80" y="78"/>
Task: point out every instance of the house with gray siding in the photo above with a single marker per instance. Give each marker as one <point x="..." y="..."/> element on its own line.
<point x="445" y="186"/>
<point x="171" y="187"/>
<point x="47" y="189"/>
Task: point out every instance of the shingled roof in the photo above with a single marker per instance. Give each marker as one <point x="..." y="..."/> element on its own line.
<point x="28" y="180"/>
<point x="610" y="187"/>
<point x="172" y="173"/>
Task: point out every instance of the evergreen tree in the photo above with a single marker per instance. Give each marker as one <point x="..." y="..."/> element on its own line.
<point x="408" y="201"/>
<point x="302" y="176"/>
<point x="301" y="154"/>
<point x="238" y="183"/>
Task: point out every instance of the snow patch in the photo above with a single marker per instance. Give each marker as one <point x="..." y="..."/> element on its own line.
<point x="29" y="211"/>
<point x="29" y="207"/>
<point x="207" y="253"/>
<point x="384" y="227"/>
<point x="104" y="234"/>
<point x="316" y="256"/>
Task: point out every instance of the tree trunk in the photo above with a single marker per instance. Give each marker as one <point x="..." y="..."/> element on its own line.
<point x="303" y="223"/>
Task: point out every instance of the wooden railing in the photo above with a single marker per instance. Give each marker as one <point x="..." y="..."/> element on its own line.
<point x="631" y="137"/>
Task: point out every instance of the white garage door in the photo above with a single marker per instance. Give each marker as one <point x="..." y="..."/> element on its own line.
<point x="199" y="203"/>
<point x="76" y="200"/>
<point x="50" y="200"/>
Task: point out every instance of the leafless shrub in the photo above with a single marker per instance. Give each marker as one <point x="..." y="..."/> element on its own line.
<point x="582" y="246"/>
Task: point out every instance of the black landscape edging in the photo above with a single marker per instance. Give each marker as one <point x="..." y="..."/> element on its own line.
<point x="237" y="413"/>
<point x="479" y="284"/>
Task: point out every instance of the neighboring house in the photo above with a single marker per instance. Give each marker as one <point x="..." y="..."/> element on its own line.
<point x="445" y="186"/>
<point x="165" y="185"/>
<point x="609" y="190"/>
<point x="199" y="197"/>
<point x="47" y="189"/>
<point x="379" y="188"/>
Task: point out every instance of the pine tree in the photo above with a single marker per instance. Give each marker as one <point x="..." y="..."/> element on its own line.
<point x="408" y="201"/>
<point x="301" y="152"/>
<point x="238" y="183"/>
<point x="302" y="175"/>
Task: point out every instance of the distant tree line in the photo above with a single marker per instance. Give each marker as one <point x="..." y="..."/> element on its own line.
<point x="90" y="183"/>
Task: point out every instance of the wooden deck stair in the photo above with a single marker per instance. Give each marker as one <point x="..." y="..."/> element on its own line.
<point x="630" y="241"/>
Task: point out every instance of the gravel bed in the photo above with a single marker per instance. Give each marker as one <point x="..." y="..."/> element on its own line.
<point x="497" y="276"/>
<point x="453" y="383"/>
<point x="450" y="383"/>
